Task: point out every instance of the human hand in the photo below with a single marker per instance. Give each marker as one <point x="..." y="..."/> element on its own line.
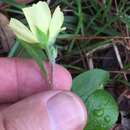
<point x="33" y="107"/>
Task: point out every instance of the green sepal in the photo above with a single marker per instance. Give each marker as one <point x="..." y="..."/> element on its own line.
<point x="42" y="37"/>
<point x="36" y="54"/>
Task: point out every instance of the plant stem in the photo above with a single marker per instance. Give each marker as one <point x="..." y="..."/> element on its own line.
<point x="51" y="65"/>
<point x="51" y="74"/>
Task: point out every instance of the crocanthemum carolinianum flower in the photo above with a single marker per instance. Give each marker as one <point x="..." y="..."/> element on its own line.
<point x="43" y="26"/>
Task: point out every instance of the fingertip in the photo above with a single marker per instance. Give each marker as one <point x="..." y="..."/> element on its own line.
<point x="67" y="111"/>
<point x="62" y="78"/>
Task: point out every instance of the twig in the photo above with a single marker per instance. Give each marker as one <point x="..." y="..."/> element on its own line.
<point x="90" y="62"/>
<point x="98" y="48"/>
<point x="75" y="61"/>
<point x="120" y="71"/>
<point x="82" y="57"/>
<point x="119" y="59"/>
<point x="79" y="37"/>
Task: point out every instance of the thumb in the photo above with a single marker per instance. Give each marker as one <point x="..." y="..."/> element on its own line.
<point x="51" y="110"/>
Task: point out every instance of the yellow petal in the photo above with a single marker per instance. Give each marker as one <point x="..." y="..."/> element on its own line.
<point x="21" y="31"/>
<point x="38" y="16"/>
<point x="56" y="24"/>
<point x="42" y="16"/>
<point x="29" y="15"/>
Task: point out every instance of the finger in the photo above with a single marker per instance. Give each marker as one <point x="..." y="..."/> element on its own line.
<point x="4" y="106"/>
<point x="20" y="78"/>
<point x="52" y="110"/>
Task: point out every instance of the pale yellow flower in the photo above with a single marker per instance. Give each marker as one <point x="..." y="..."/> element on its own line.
<point x="39" y="17"/>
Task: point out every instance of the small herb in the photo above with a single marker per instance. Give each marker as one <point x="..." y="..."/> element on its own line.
<point x="43" y="30"/>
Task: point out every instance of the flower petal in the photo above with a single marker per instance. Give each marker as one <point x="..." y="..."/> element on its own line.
<point x="42" y="15"/>
<point x="21" y="31"/>
<point x="29" y="15"/>
<point x="56" y="24"/>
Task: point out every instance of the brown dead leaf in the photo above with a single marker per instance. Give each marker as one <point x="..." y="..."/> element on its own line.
<point x="7" y="37"/>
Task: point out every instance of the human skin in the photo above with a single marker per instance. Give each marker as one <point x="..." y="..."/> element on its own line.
<point x="26" y="78"/>
<point x="45" y="110"/>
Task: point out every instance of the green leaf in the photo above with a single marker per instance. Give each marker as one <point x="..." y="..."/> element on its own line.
<point x="14" y="49"/>
<point x="36" y="54"/>
<point x="14" y="3"/>
<point x="102" y="111"/>
<point x="88" y="82"/>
